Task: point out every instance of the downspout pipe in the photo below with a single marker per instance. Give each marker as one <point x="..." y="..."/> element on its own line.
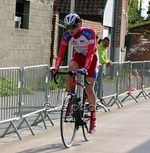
<point x="115" y="30"/>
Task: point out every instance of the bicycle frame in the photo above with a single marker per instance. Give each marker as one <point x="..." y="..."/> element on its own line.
<point x="78" y="117"/>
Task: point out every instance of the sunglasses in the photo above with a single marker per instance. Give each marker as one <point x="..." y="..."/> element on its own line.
<point x="71" y="27"/>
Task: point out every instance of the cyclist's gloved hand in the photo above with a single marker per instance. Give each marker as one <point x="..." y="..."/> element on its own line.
<point x="53" y="71"/>
<point x="82" y="71"/>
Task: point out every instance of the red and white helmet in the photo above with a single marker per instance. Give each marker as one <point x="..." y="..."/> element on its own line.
<point x="71" y="19"/>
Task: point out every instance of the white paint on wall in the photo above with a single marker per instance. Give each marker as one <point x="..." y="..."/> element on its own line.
<point x="109" y="13"/>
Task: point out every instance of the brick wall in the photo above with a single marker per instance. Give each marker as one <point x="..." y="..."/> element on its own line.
<point x="24" y="47"/>
<point x="122" y="23"/>
<point x="119" y="31"/>
<point x="97" y="26"/>
<point x="138" y="42"/>
<point x="139" y="47"/>
<point x="54" y="44"/>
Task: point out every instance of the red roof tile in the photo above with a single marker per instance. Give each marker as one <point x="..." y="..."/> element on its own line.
<point x="82" y="7"/>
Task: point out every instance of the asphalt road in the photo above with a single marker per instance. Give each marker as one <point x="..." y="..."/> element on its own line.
<point x="125" y="130"/>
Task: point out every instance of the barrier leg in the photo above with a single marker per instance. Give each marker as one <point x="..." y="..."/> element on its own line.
<point x="25" y="119"/>
<point x="42" y="119"/>
<point x="143" y="93"/>
<point x="102" y="104"/>
<point x="15" y="128"/>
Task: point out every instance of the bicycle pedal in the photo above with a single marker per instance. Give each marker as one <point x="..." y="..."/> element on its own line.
<point x="86" y="118"/>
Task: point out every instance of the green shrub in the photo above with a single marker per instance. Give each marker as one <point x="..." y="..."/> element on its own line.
<point x="9" y="88"/>
<point x="61" y="81"/>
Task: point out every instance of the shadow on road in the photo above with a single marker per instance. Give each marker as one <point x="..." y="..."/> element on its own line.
<point x="47" y="148"/>
<point x="56" y="147"/>
<point x="143" y="148"/>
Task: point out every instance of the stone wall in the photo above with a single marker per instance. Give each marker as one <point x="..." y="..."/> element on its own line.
<point x="25" y="47"/>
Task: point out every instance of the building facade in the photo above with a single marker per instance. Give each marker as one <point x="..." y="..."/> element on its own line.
<point x="88" y="10"/>
<point x="119" y="31"/>
<point x="25" y="32"/>
<point x="30" y="30"/>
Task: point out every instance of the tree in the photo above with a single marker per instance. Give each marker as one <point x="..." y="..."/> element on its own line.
<point x="134" y="14"/>
<point x="148" y="12"/>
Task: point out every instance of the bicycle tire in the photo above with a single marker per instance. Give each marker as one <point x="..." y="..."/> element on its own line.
<point x="86" y="121"/>
<point x="67" y="124"/>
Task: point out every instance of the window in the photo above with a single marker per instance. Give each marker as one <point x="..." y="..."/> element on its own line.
<point x="22" y="14"/>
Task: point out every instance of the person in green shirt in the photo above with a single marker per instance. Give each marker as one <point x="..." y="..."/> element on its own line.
<point x="103" y="59"/>
<point x="102" y="52"/>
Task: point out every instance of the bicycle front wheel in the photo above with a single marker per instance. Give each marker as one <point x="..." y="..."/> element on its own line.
<point x="67" y="123"/>
<point x="86" y="122"/>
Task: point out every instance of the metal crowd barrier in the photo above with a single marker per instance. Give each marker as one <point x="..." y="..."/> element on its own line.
<point x="10" y="85"/>
<point x="146" y="78"/>
<point x="107" y="84"/>
<point x="23" y="94"/>
<point x="30" y="94"/>
<point x="55" y="91"/>
<point x="129" y="79"/>
<point x="124" y="82"/>
<point x="142" y="74"/>
<point x="35" y="94"/>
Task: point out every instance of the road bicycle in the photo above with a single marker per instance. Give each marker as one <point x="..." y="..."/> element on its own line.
<point x="75" y="112"/>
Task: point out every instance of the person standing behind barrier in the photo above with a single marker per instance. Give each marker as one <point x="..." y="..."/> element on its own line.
<point x="102" y="52"/>
<point x="103" y="59"/>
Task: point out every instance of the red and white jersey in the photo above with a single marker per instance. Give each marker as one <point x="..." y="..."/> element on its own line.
<point x="80" y="44"/>
<point x="84" y="42"/>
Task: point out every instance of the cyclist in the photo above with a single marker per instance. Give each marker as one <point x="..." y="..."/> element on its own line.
<point x="84" y="60"/>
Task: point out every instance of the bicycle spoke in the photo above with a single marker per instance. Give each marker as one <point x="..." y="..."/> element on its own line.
<point x="67" y="124"/>
<point x="86" y="121"/>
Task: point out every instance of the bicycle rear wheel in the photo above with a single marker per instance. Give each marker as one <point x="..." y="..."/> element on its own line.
<point x="67" y="123"/>
<point x="86" y="122"/>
